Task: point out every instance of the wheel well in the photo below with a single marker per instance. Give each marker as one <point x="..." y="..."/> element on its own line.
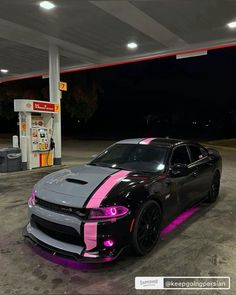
<point x="150" y="198"/>
<point x="159" y="203"/>
<point x="217" y="172"/>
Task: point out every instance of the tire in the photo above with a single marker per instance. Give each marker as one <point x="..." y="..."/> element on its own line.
<point x="146" y="230"/>
<point x="215" y="188"/>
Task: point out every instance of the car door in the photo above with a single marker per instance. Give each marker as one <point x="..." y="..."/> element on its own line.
<point x="185" y="185"/>
<point x="203" y="171"/>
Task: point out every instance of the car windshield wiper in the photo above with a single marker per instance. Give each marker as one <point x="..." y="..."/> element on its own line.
<point x="141" y="171"/>
<point x="106" y="166"/>
<point x="120" y="168"/>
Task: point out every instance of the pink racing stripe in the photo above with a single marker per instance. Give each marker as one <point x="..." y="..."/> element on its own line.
<point x="90" y="235"/>
<point x="104" y="189"/>
<point x="90" y="228"/>
<point x="147" y="140"/>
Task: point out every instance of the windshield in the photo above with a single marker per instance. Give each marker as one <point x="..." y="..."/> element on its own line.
<point x="137" y="157"/>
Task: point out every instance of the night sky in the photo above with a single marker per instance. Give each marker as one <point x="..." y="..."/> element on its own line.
<point x="192" y="98"/>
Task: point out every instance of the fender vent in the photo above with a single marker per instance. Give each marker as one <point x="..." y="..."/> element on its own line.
<point x="78" y="181"/>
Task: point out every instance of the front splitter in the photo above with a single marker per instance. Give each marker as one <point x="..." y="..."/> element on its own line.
<point x="66" y="254"/>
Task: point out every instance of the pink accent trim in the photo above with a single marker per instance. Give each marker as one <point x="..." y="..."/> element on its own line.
<point x="90" y="255"/>
<point x="104" y="189"/>
<point x="31" y="200"/>
<point x="131" y="225"/>
<point x="90" y="235"/>
<point x="90" y="228"/>
<point x="147" y="140"/>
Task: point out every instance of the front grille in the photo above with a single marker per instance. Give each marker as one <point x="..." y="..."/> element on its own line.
<point x="81" y="212"/>
<point x="57" y="231"/>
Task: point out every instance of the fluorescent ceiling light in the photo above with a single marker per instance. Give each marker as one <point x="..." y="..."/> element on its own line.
<point x="47" y="5"/>
<point x="4" y="71"/>
<point x="132" y="45"/>
<point x="232" y="25"/>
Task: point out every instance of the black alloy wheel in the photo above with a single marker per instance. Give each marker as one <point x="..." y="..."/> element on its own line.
<point x="146" y="230"/>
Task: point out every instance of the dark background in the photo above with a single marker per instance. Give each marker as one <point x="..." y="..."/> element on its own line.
<point x="190" y="98"/>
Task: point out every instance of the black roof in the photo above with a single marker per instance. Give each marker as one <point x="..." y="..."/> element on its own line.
<point x="169" y="141"/>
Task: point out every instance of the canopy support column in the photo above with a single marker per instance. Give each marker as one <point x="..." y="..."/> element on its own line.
<point x="54" y="79"/>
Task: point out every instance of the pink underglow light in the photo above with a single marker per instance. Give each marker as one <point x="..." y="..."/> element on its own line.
<point x="66" y="262"/>
<point x="178" y="220"/>
<point x="108" y="243"/>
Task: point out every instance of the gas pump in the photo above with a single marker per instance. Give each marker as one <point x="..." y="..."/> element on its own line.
<point x="36" y="120"/>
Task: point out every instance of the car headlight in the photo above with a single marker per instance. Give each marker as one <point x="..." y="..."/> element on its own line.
<point x="108" y="212"/>
<point x="31" y="201"/>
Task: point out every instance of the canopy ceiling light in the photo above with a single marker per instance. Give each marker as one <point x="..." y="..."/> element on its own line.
<point x="4" y="71"/>
<point x="232" y="25"/>
<point x="47" y="5"/>
<point x="132" y="45"/>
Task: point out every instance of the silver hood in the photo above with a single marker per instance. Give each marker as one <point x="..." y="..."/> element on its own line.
<point x="72" y="187"/>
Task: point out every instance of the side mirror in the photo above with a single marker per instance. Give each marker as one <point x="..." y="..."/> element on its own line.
<point x="178" y="170"/>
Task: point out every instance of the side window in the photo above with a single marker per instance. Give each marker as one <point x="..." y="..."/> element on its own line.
<point x="180" y="156"/>
<point x="197" y="153"/>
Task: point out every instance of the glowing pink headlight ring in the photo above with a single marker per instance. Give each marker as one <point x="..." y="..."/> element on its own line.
<point x="108" y="212"/>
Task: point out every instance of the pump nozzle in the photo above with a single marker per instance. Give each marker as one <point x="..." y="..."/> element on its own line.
<point x="52" y="144"/>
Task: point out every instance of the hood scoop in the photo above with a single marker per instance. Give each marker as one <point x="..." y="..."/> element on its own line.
<point x="78" y="181"/>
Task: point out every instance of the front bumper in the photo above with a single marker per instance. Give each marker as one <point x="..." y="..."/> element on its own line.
<point x="77" y="251"/>
<point x="96" y="257"/>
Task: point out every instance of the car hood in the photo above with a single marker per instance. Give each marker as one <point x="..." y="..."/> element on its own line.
<point x="72" y="187"/>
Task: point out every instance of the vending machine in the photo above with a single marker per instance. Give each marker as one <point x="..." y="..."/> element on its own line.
<point x="36" y="122"/>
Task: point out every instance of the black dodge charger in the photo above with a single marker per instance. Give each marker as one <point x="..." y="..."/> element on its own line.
<point x="122" y="198"/>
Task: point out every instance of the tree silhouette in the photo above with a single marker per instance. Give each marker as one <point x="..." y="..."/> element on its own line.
<point x="80" y="102"/>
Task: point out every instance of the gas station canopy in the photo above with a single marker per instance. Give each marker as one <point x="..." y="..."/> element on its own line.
<point x="97" y="33"/>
